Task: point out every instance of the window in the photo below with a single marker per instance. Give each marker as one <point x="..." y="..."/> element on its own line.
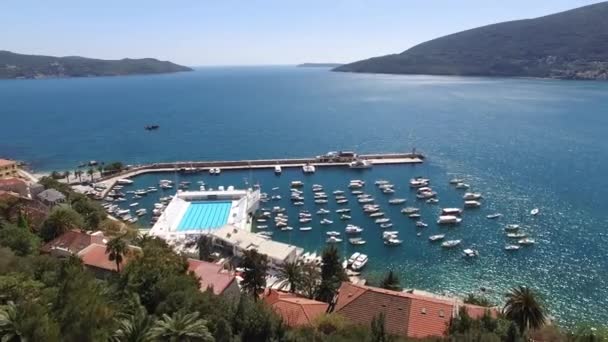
<point x="423" y="311"/>
<point x="441" y="313"/>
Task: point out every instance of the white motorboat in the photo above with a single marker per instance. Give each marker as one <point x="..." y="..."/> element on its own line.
<point x="326" y="221"/>
<point x="123" y="212"/>
<point x="352" y="229"/>
<point x="437" y="237"/>
<point x="512" y="227"/>
<point x="469" y="196"/>
<point x="124" y="181"/>
<point x="450" y="243"/>
<point x="333" y="239"/>
<point x="534" y="211"/>
<point x="376" y="214"/>
<point x="296" y="184"/>
<point x="365" y="200"/>
<point x="409" y="210"/>
<point x="338" y="192"/>
<point x="357" y="241"/>
<point x="356" y="184"/>
<point x="141" y="212"/>
<point x="277" y="170"/>
<point x="321" y="201"/>
<point x="356" y="192"/>
<point x="332" y="233"/>
<point x="426" y="195"/>
<point x="133" y="204"/>
<point x="286" y="228"/>
<point x="382" y="220"/>
<point x="305" y="229"/>
<point x="360" y="164"/>
<point x="308" y="168"/>
<point x="345" y="217"/>
<point x="353" y="258"/>
<point x="305" y="220"/>
<point x="359" y="262"/>
<point x="493" y="216"/>
<point x="526" y="242"/>
<point x="470" y="253"/>
<point x="165" y="186"/>
<point x="414" y="216"/>
<point x="519" y="235"/>
<point x="397" y="201"/>
<point x="388" y="191"/>
<point x="448" y="219"/>
<point x="342" y="201"/>
<point x="343" y="210"/>
<point x="472" y="204"/>
<point x="421" y="224"/>
<point x="141" y="192"/>
<point x="454" y="181"/>
<point x="393" y="242"/>
<point x="262" y="227"/>
<point x="419" y="182"/>
<point x="512" y="247"/>
<point x="432" y="200"/>
<point x="381" y="182"/>
<point x="275" y="197"/>
<point x="323" y="211"/>
<point x="299" y="203"/>
<point x="386" y="225"/>
<point x="462" y="186"/>
<point x="451" y="211"/>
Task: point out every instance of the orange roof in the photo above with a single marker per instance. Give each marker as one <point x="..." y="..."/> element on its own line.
<point x="6" y="162"/>
<point x="211" y="275"/>
<point x="295" y="310"/>
<point x="406" y="314"/>
<point x="95" y="256"/>
<point x="11" y="181"/>
<point x="73" y="241"/>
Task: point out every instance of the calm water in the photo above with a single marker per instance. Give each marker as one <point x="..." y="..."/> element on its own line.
<point x="523" y="143"/>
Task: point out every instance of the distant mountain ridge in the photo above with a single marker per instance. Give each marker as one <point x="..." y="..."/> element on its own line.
<point x="14" y="65"/>
<point x="566" y="45"/>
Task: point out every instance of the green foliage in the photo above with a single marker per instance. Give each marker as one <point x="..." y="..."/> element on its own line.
<point x="50" y="183"/>
<point x="181" y="327"/>
<point x="291" y="275"/>
<point x="477" y="300"/>
<point x="223" y="331"/>
<point x="60" y="220"/>
<point x="117" y="249"/>
<point x="92" y="213"/>
<point x="19" y="239"/>
<point x="391" y="282"/>
<point x="378" y="330"/>
<point x="524" y="308"/>
<point x="254" y="276"/>
<point x="311" y="278"/>
<point x="134" y="325"/>
<point x="254" y="321"/>
<point x="113" y="167"/>
<point x="205" y="247"/>
<point x="332" y="274"/>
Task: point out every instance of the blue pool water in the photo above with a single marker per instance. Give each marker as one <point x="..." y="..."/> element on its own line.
<point x="523" y="143"/>
<point x="205" y="215"/>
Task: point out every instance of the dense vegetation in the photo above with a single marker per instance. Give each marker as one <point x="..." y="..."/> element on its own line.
<point x="13" y="65"/>
<point x="570" y="45"/>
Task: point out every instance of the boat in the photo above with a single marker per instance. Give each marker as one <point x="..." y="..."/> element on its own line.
<point x="451" y="211"/>
<point x="308" y="168"/>
<point x="299" y="203"/>
<point x="338" y="192"/>
<point x="356" y="184"/>
<point x="365" y="200"/>
<point x="321" y="201"/>
<point x="432" y="201"/>
<point x="275" y="197"/>
<point x="133" y="204"/>
<point x="141" y="212"/>
<point x="165" y="186"/>
<point x="397" y="201"/>
<point x="386" y="225"/>
<point x="342" y="201"/>
<point x="326" y="221"/>
<point x="357" y="241"/>
<point x="305" y="220"/>
<point x="124" y="181"/>
<point x="123" y="212"/>
<point x="343" y="210"/>
<point x="296" y="184"/>
<point x="151" y="189"/>
<point x="141" y="192"/>
<point x="137" y="197"/>
<point x="151" y="127"/>
<point x="437" y="237"/>
<point x="448" y="219"/>
<point x="393" y="242"/>
<point x="426" y="195"/>
<point x="421" y="224"/>
<point x="419" y="182"/>
<point x="520" y="235"/>
<point x="333" y="239"/>
<point x="359" y="262"/>
<point x="356" y="192"/>
<point x="381" y="182"/>
<point x="215" y="171"/>
<point x="262" y="227"/>
<point x="512" y="247"/>
<point x="472" y="204"/>
<point x="463" y="186"/>
<point x="526" y="241"/>
<point x="534" y="211"/>
<point x="286" y="228"/>
<point x="360" y="164"/>
<point x="277" y="170"/>
<point x="352" y="229"/>
<point x="454" y="181"/>
<point x="450" y="243"/>
<point x="353" y="258"/>
<point x="323" y="211"/>
<point x="388" y="191"/>
<point x="376" y="214"/>
<point x="468" y="196"/>
<point x="409" y="210"/>
<point x="382" y="220"/>
<point x="305" y="229"/>
<point x="414" y="216"/>
<point x="493" y="216"/>
<point x="470" y="253"/>
<point x="332" y="233"/>
<point x="344" y="217"/>
<point x="512" y="227"/>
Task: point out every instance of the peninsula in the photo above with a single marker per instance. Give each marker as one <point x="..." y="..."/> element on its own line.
<point x="19" y="66"/>
<point x="566" y="45"/>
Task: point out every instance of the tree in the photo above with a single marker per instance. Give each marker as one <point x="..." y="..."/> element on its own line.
<point x="290" y="274"/>
<point x="22" y="221"/>
<point x="205" y="247"/>
<point x="117" y="250"/>
<point x="512" y="333"/>
<point x="477" y="300"/>
<point x="223" y="331"/>
<point x="332" y="274"/>
<point x="181" y="327"/>
<point x="390" y="282"/>
<point x="378" y="329"/>
<point x="78" y="173"/>
<point x="10" y="329"/>
<point x="66" y="175"/>
<point x="60" y="220"/>
<point x="311" y="277"/>
<point x="21" y="241"/>
<point x="254" y="277"/>
<point x="523" y="308"/>
<point x="91" y="172"/>
<point x="134" y="327"/>
<point x="91" y="212"/>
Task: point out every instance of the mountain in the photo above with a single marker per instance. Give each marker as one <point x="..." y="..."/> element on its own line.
<point x="319" y="65"/>
<point x="13" y="65"/>
<point x="568" y="45"/>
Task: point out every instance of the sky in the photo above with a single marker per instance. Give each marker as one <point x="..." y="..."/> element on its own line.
<point x="247" y="32"/>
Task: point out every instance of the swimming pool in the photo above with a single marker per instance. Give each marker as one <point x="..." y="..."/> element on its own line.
<point x="205" y="215"/>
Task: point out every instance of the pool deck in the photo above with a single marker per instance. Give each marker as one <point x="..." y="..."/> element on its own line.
<point x="204" y="166"/>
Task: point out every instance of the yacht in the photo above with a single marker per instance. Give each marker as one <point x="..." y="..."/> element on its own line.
<point x="297" y="184"/>
<point x="359" y="262"/>
<point x="277" y="170"/>
<point x="397" y="201"/>
<point x="262" y="227"/>
<point x="321" y="201"/>
<point x="299" y="203"/>
<point x="352" y="229"/>
<point x="360" y="164"/>
<point x="468" y="196"/>
<point x="357" y="241"/>
<point x="493" y="216"/>
<point x="338" y="192"/>
<point x="365" y="200"/>
<point x="134" y="204"/>
<point x="519" y="235"/>
<point x="344" y="217"/>
<point x="437" y="237"/>
<point x="305" y="229"/>
<point x="432" y="201"/>
<point x="393" y="242"/>
<point x="305" y="220"/>
<point x="353" y="258"/>
<point x="414" y="216"/>
<point x="421" y="224"/>
<point x="166" y="186"/>
<point x="275" y="197"/>
<point x="454" y="181"/>
<point x="344" y="210"/>
<point x="512" y="247"/>
<point x="342" y="201"/>
<point x="450" y="243"/>
<point x="356" y="192"/>
<point x="451" y="211"/>
<point x="534" y="211"/>
<point x="308" y="168"/>
<point x="448" y="219"/>
<point x="286" y="228"/>
<point x="382" y="220"/>
<point x="124" y="181"/>
<point x="141" y="212"/>
<point x="326" y="221"/>
<point x="381" y="182"/>
<point x="512" y="227"/>
<point x="470" y="253"/>
<point x="333" y="239"/>
<point x="376" y="214"/>
<point x="323" y="211"/>
<point x="463" y="186"/>
<point x="332" y="233"/>
<point x="123" y="212"/>
<point x="526" y="241"/>
<point x="409" y="210"/>
<point x="426" y="195"/>
<point x="472" y="204"/>
<point x="141" y="192"/>
<point x="386" y="225"/>
<point x="388" y="191"/>
<point x="419" y="182"/>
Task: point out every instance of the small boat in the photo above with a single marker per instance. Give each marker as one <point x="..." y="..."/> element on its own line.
<point x="275" y="188"/>
<point x="468" y="196"/>
<point x="381" y="182"/>
<point x="262" y="227"/>
<point x="277" y="170"/>
<point x="137" y="197"/>
<point x="357" y="192"/>
<point x="344" y="217"/>
<point x="397" y="201"/>
<point x="414" y="216"/>
<point x="321" y="201"/>
<point x="388" y="191"/>
<point x="260" y="220"/>
<point x="352" y="229"/>
<point x="392" y="242"/>
<point x="365" y="200"/>
<point x="462" y="186"/>
<point x="526" y="242"/>
<point x="437" y="237"/>
<point x="353" y="258"/>
<point x="472" y="204"/>
<point x="534" y="211"/>
<point x="493" y="216"/>
<point x="124" y="181"/>
<point x="296" y="184"/>
<point x="376" y="214"/>
<point x="332" y="233"/>
<point x="141" y="212"/>
<point x="360" y="164"/>
<point x="359" y="262"/>
<point x="455" y="181"/>
<point x="265" y="233"/>
<point x="421" y="224"/>
<point x="333" y="239"/>
<point x="141" y="192"/>
<point x="299" y="203"/>
<point x="448" y="219"/>
<point x="386" y="225"/>
<point x="344" y="210"/>
<point x="450" y="243"/>
<point x="470" y="253"/>
<point x="275" y="197"/>
<point x="338" y="192"/>
<point x="120" y="199"/>
<point x="308" y="168"/>
<point x="326" y="221"/>
<point x="520" y="235"/>
<point x="512" y="247"/>
<point x="305" y="229"/>
<point x="123" y="212"/>
<point x="287" y="228"/>
<point x="451" y="211"/>
<point x="133" y="204"/>
<point x="356" y="241"/>
<point x="382" y="220"/>
<point x="342" y="201"/>
<point x="323" y="211"/>
<point x="432" y="201"/>
<point x="419" y="182"/>
<point x="409" y="210"/>
<point x="426" y="195"/>
<point x="151" y="127"/>
<point x="512" y="227"/>
<point x="305" y="220"/>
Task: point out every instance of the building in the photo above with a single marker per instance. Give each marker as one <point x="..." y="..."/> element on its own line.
<point x="406" y="314"/>
<point x="51" y="197"/>
<point x="214" y="277"/>
<point x="95" y="258"/>
<point x="16" y="185"/>
<point x="8" y="168"/>
<point x="71" y="243"/>
<point x="293" y="309"/>
<point x="337" y="157"/>
<point x="236" y="241"/>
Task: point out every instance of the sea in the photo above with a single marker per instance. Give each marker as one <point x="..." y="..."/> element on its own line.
<point x="522" y="143"/>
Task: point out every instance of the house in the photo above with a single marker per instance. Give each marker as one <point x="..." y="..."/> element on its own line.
<point x="51" y="197"/>
<point x="71" y="243"/>
<point x="8" y="168"/>
<point x="406" y="314"/>
<point x="293" y="309"/>
<point x="95" y="258"/>
<point x="214" y="277"/>
<point x="15" y="185"/>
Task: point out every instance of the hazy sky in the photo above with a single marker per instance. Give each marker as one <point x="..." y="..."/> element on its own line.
<point x="227" y="32"/>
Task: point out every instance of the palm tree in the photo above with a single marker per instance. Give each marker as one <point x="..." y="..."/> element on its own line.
<point x="180" y="327"/>
<point x="117" y="250"/>
<point x="290" y="274"/>
<point x="100" y="169"/>
<point x="134" y="327"/>
<point x="254" y="277"/>
<point x="390" y="282"/>
<point x="91" y="172"/>
<point x="9" y="324"/>
<point x="66" y="175"/>
<point x="78" y="173"/>
<point x="523" y="308"/>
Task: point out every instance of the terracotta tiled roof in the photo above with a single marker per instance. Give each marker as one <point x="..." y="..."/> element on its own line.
<point x="295" y="310"/>
<point x="95" y="256"/>
<point x="406" y="314"/>
<point x="211" y="275"/>
<point x="73" y="241"/>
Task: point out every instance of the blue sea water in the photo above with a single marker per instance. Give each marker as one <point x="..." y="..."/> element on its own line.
<point x="522" y="143"/>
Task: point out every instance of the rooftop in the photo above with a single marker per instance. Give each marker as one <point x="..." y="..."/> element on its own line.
<point x="245" y="240"/>
<point x="295" y="310"/>
<point x="211" y="275"/>
<point x="11" y="181"/>
<point x="6" y="162"/>
<point x="95" y="256"/>
<point x="72" y="241"/>
<point x="51" y="195"/>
